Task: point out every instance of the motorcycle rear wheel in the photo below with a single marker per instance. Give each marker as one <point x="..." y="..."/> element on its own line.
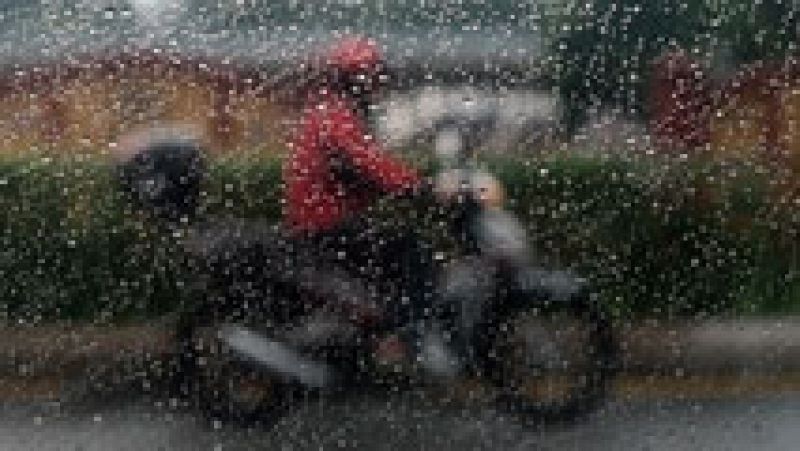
<point x="225" y="387"/>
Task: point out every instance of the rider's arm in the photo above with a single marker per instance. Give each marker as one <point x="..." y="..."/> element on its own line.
<point x="347" y="135"/>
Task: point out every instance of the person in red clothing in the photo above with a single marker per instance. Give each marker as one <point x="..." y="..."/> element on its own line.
<point x="336" y="171"/>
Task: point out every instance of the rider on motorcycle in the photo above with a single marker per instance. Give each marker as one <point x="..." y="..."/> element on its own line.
<point x="336" y="171"/>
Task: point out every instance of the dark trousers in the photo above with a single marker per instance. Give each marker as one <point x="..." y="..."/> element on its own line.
<point x="394" y="263"/>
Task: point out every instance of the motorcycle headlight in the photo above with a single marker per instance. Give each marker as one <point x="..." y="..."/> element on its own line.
<point x="488" y="190"/>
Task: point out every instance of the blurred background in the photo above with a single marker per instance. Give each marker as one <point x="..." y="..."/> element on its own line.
<point x="79" y="73"/>
<point x="653" y="146"/>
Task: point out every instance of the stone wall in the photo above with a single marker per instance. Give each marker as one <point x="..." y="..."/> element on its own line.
<point x="753" y="115"/>
<point x="83" y="106"/>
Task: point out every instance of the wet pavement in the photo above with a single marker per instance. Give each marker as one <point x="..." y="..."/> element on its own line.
<point x="399" y="422"/>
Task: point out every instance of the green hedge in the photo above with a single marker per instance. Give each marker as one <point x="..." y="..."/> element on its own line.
<point x="683" y="240"/>
<point x="680" y="240"/>
<point x="72" y="249"/>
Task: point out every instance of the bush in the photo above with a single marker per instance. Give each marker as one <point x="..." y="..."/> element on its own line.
<point x="653" y="241"/>
<point x="72" y="249"/>
<point x="689" y="240"/>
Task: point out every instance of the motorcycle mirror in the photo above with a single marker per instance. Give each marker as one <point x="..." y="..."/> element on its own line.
<point x="449" y="145"/>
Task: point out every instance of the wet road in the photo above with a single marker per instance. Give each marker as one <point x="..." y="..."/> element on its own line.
<point x="402" y="423"/>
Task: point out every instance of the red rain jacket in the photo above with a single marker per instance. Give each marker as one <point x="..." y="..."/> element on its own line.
<point x="332" y="148"/>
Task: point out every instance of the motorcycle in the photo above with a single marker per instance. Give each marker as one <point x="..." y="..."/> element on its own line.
<point x="537" y="341"/>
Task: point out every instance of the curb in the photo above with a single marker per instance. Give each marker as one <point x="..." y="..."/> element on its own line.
<point x="743" y="345"/>
<point x="745" y="355"/>
<point x="64" y="350"/>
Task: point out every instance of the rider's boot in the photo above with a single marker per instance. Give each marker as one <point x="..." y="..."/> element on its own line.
<point x="437" y="355"/>
<point x="435" y="352"/>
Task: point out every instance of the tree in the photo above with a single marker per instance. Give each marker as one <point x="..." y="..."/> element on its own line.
<point x="605" y="48"/>
<point x="757" y="30"/>
<point x="607" y="45"/>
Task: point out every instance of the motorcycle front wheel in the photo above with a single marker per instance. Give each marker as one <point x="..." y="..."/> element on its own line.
<point x="552" y="361"/>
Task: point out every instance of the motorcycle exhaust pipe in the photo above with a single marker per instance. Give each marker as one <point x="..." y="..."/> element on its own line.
<point x="276" y="357"/>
